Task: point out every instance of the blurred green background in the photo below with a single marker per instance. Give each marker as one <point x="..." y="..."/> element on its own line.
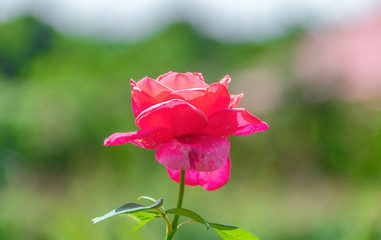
<point x="314" y="175"/>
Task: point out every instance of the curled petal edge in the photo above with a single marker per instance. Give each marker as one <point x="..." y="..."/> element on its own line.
<point x="233" y="121"/>
<point x="148" y="139"/>
<point x="252" y="128"/>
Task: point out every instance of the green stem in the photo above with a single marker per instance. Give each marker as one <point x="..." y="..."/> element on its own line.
<point x="179" y="199"/>
<point x="179" y="204"/>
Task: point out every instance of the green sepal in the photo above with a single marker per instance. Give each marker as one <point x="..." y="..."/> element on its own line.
<point x="232" y="233"/>
<point x="188" y="213"/>
<point x="144" y="217"/>
<point x="128" y="208"/>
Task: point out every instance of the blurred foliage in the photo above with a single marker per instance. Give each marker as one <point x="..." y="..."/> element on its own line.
<point x="61" y="96"/>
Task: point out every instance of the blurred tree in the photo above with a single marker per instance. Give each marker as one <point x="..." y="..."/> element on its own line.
<point x="21" y="40"/>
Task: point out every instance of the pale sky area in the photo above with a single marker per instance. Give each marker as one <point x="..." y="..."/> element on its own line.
<point x="226" y="20"/>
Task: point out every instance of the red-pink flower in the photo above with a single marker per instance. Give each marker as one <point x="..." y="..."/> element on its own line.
<point x="188" y="122"/>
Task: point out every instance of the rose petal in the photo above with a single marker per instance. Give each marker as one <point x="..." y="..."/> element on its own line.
<point x="164" y="75"/>
<point x="208" y="180"/>
<point x="141" y="101"/>
<point x="206" y="153"/>
<point x="217" y="98"/>
<point x="252" y="128"/>
<point x="153" y="88"/>
<point x="215" y="179"/>
<point x="135" y="107"/>
<point x="188" y="95"/>
<point x="142" y="138"/>
<point x="147" y="92"/>
<point x="225" y="81"/>
<point x="249" y="124"/>
<point x="234" y="100"/>
<point x="197" y="75"/>
<point x="177" y="115"/>
<point x="178" y="81"/>
<point x="237" y="121"/>
<point x="210" y="100"/>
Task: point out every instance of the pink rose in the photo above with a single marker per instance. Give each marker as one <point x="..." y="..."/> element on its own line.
<point x="188" y="122"/>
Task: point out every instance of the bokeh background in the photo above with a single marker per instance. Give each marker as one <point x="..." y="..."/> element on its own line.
<point x="310" y="69"/>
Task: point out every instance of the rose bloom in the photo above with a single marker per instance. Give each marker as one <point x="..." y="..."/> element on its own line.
<point x="188" y="122"/>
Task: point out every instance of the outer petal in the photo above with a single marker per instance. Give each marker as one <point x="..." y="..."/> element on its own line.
<point x="147" y="92"/>
<point x="225" y="81"/>
<point x="141" y="101"/>
<point x="176" y="115"/>
<point x="209" y="180"/>
<point x="215" y="179"/>
<point x="234" y="100"/>
<point x="250" y="124"/>
<point x="146" y="139"/>
<point x="210" y="100"/>
<point x="134" y="103"/>
<point x="206" y="153"/>
<point x="178" y="81"/>
<point x="235" y="121"/>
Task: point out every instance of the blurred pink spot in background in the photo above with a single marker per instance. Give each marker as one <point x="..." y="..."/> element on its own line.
<point x="267" y="88"/>
<point x="344" y="60"/>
